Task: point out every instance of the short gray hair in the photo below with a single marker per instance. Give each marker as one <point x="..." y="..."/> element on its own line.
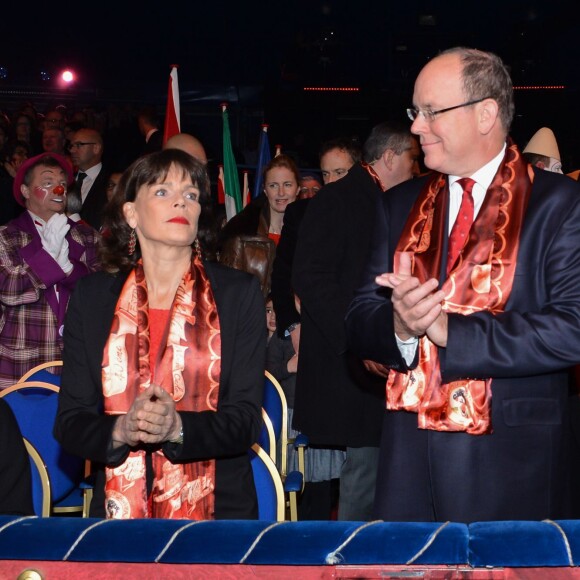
<point x="386" y="136"/>
<point x="485" y="75"/>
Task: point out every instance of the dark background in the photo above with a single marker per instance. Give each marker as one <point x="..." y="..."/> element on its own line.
<point x="259" y="56"/>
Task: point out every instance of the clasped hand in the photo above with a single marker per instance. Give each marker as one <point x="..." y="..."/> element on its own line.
<point x="151" y="419"/>
<point x="53" y="234"/>
<point x="417" y="307"/>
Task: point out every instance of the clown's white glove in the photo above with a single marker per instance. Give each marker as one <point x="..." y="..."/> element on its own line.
<point x="53" y="235"/>
<point x="63" y="260"/>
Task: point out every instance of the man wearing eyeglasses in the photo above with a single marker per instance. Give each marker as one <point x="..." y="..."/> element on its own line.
<point x="86" y="150"/>
<point x="478" y="330"/>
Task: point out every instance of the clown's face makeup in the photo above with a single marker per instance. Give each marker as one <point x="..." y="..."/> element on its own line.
<point x="46" y="194"/>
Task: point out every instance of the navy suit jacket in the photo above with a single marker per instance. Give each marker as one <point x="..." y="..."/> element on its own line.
<point x="92" y="209"/>
<point x="521" y="470"/>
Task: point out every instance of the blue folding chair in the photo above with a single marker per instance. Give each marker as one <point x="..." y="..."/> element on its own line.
<point x="34" y="404"/>
<point x="275" y="409"/>
<point x="41" y="500"/>
<point x="269" y="490"/>
<point x="41" y="373"/>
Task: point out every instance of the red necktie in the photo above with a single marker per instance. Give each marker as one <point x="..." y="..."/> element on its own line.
<point x="460" y="231"/>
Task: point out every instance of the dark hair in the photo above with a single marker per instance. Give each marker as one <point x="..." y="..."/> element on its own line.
<point x="13" y="145"/>
<point x="148" y="170"/>
<point x="149" y="115"/>
<point x="486" y="76"/>
<point x="534" y="158"/>
<point x="283" y="161"/>
<point x="351" y="146"/>
<point x="386" y="136"/>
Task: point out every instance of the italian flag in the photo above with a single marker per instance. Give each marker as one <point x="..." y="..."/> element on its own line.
<point x="233" y="197"/>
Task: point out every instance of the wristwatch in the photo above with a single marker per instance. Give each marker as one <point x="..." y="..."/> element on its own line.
<point x="179" y="440"/>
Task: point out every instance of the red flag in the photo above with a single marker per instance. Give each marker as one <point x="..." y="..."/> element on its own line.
<point x="172" y="114"/>
<point x="221" y="189"/>
<point x="246" y="197"/>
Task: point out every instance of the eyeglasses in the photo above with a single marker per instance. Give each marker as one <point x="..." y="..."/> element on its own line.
<point x="430" y="116"/>
<point x="79" y="144"/>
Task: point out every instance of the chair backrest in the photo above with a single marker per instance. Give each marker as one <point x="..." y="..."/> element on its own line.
<point x="268" y="484"/>
<point x="41" y="500"/>
<point x="34" y="405"/>
<point x="41" y="373"/>
<point x="267" y="438"/>
<point x="274" y="403"/>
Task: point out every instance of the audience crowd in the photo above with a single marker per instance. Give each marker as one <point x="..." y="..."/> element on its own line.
<point x="106" y="232"/>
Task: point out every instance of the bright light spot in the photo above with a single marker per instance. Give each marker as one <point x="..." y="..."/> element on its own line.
<point x="67" y="76"/>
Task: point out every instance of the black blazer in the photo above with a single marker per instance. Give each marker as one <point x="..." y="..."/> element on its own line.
<point x="92" y="209"/>
<point x="15" y="478"/>
<point x="282" y="292"/>
<point x="520" y="471"/>
<point x="337" y="401"/>
<point x="226" y="435"/>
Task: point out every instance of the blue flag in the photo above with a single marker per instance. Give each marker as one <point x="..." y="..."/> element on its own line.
<point x="263" y="160"/>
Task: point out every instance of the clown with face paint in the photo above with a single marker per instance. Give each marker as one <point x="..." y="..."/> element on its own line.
<point x="42" y="255"/>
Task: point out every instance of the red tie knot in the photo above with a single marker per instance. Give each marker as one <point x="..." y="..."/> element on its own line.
<point x="466" y="184"/>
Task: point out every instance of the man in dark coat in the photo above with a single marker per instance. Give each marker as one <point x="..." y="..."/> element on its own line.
<point x="336" y="156"/>
<point x="479" y="342"/>
<point x="338" y="403"/>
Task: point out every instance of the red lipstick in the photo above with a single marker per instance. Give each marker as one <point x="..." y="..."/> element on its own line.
<point x="179" y="220"/>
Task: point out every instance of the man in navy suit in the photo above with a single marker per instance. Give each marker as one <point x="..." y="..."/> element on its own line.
<point x="478" y="344"/>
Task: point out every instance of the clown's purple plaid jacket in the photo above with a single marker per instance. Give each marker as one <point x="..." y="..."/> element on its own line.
<point x="34" y="293"/>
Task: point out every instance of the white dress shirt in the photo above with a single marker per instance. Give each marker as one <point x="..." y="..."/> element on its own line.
<point x="483" y="178"/>
<point x="92" y="173"/>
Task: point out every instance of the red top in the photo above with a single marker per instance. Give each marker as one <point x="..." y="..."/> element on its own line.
<point x="157" y="322"/>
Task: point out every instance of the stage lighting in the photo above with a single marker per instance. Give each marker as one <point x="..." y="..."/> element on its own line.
<point x="3" y="73"/>
<point x="67" y="76"/>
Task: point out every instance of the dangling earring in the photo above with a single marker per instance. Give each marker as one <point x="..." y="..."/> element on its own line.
<point x="132" y="242"/>
<point x="197" y="248"/>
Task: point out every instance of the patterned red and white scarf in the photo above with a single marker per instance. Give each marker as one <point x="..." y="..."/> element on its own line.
<point x="188" y="367"/>
<point x="481" y="279"/>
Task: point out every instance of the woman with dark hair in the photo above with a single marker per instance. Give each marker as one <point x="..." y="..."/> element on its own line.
<point x="245" y="238"/>
<point x="164" y="357"/>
